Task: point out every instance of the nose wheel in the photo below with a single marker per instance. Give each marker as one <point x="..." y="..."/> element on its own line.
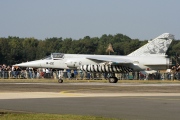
<point x="60" y="80"/>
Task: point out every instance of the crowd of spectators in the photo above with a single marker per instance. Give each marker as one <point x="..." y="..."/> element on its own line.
<point x="7" y="72"/>
<point x="29" y="73"/>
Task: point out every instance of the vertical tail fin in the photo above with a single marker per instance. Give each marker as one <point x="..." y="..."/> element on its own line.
<point x="156" y="46"/>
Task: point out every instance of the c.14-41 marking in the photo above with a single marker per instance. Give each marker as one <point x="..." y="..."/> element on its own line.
<point x="50" y="63"/>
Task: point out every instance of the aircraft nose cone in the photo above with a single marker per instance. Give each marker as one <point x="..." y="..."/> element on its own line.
<point x="29" y="64"/>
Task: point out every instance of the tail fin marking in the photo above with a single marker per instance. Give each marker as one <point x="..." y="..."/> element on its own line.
<point x="157" y="46"/>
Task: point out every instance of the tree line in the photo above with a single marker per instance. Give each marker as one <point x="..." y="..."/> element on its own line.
<point x="16" y="50"/>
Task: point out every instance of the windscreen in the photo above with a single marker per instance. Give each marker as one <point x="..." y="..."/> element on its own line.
<point x="57" y="55"/>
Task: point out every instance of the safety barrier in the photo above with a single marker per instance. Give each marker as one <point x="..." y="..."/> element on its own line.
<point x="85" y="75"/>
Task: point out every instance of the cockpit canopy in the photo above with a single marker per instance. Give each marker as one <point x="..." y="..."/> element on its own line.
<point x="55" y="56"/>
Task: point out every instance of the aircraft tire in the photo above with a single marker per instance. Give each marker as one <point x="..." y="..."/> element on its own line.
<point x="60" y="81"/>
<point x="113" y="80"/>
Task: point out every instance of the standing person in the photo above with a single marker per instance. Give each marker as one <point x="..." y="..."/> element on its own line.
<point x="173" y="70"/>
<point x="133" y="74"/>
<point x="54" y="73"/>
<point x="38" y="73"/>
<point x="81" y="74"/>
<point x="3" y="70"/>
<point x="146" y="76"/>
<point x="16" y="72"/>
<point x="13" y="71"/>
<point x="75" y="74"/>
<point x="31" y="73"/>
<point x="0" y="71"/>
<point x="177" y="71"/>
<point x="69" y="74"/>
<point x="72" y="74"/>
<point x="9" y="71"/>
<point x="47" y="73"/>
<point x="27" y="72"/>
<point x="35" y="73"/>
<point x="60" y="74"/>
<point x="65" y="73"/>
<point x="43" y="72"/>
<point x="23" y="73"/>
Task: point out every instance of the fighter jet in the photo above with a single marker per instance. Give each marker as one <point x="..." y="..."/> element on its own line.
<point x="151" y="56"/>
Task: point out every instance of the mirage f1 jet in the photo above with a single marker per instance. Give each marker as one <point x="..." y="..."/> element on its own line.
<point x="151" y="56"/>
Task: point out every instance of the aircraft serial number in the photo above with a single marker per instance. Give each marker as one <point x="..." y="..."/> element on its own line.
<point x="50" y="63"/>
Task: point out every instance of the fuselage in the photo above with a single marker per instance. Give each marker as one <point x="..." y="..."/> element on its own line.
<point x="75" y="61"/>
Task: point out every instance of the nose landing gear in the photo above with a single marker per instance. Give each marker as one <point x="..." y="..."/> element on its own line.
<point x="60" y="80"/>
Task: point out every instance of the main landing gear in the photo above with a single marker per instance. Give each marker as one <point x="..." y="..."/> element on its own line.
<point x="113" y="80"/>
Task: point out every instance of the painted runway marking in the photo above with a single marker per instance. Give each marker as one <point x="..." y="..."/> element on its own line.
<point x="24" y="95"/>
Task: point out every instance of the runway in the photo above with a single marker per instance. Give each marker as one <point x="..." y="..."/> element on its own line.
<point x="127" y="101"/>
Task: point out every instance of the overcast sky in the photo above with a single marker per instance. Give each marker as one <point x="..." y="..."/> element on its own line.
<point x="141" y="19"/>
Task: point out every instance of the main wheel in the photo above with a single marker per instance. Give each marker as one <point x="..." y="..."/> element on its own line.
<point x="113" y="80"/>
<point x="60" y="81"/>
